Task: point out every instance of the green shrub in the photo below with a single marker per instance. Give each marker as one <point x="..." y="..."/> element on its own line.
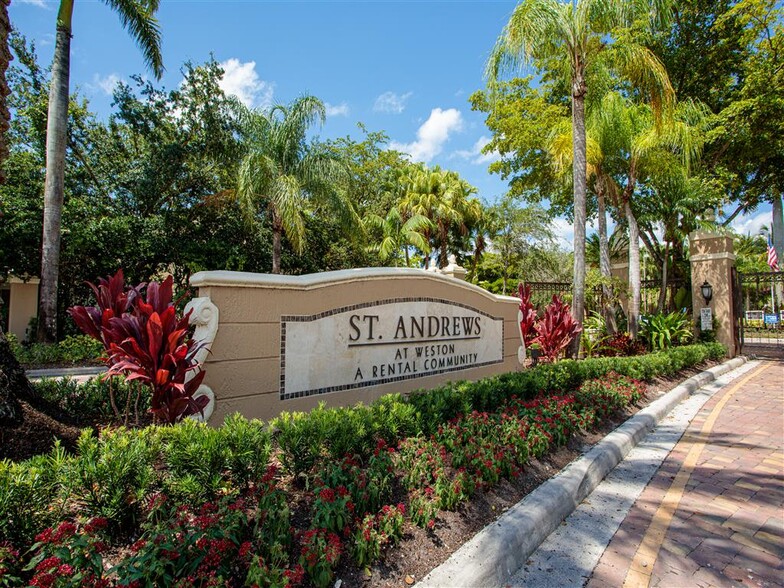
<point x="29" y="495"/>
<point x="662" y="331"/>
<point x="305" y="437"/>
<point x="111" y="473"/>
<point x="393" y="418"/>
<point x="196" y="459"/>
<point x="73" y="349"/>
<point x="300" y="439"/>
<point x="248" y="445"/>
<point x="89" y="400"/>
<point x="80" y="348"/>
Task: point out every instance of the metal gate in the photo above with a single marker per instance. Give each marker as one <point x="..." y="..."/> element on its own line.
<point x="759" y="308"/>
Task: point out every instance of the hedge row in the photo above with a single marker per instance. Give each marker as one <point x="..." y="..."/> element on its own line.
<point x="305" y="437"/>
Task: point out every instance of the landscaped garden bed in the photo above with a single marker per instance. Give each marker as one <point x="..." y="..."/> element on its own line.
<point x="377" y="494"/>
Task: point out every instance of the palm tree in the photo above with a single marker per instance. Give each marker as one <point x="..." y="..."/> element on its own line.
<point x="138" y="18"/>
<point x="398" y="234"/>
<point x="285" y="174"/>
<point x="603" y="186"/>
<point x="647" y="146"/>
<point x="575" y="34"/>
<point x="446" y="199"/>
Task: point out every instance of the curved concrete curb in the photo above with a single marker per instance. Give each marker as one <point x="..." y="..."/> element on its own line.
<point x="494" y="554"/>
<point x="65" y="372"/>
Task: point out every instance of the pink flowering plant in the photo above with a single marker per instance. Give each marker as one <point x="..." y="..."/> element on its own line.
<point x="189" y="544"/>
<point x="321" y="550"/>
<point x="610" y="395"/>
<point x="375" y="533"/>
<point x="69" y="555"/>
<point x="10" y="565"/>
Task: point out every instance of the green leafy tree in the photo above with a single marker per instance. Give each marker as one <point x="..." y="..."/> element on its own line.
<point x="285" y="176"/>
<point x="138" y="17"/>
<point x="574" y="35"/>
<point x="516" y="233"/>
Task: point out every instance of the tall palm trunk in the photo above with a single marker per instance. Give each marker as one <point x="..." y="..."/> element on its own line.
<point x="604" y="260"/>
<point x="56" y="136"/>
<point x="5" y="57"/>
<point x="634" y="269"/>
<point x="277" y="234"/>
<point x="664" y="278"/>
<point x="579" y="150"/>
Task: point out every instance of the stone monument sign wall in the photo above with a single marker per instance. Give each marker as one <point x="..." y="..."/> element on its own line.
<point x="287" y="343"/>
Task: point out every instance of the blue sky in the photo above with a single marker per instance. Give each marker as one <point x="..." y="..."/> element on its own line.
<point x="405" y="67"/>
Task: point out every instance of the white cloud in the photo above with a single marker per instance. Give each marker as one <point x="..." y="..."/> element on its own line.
<point x="475" y="154"/>
<point x="391" y="102"/>
<point x="242" y="80"/>
<point x="432" y="135"/>
<point x="751" y="225"/>
<point x="38" y="3"/>
<point x="106" y="84"/>
<point x="564" y="233"/>
<point x="337" y="110"/>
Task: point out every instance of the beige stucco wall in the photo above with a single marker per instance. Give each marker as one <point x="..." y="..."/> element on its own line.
<point x="244" y="366"/>
<point x="23" y="305"/>
<point x="712" y="259"/>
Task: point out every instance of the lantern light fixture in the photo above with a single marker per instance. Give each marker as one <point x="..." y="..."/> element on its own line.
<point x="707" y="292"/>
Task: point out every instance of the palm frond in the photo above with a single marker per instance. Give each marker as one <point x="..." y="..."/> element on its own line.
<point x="286" y="195"/>
<point x="138" y="18"/>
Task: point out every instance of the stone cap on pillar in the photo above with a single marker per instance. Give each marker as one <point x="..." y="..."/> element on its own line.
<point x="704" y="245"/>
<point x="454" y="270"/>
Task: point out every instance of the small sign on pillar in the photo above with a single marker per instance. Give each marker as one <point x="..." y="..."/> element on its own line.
<point x="706" y="319"/>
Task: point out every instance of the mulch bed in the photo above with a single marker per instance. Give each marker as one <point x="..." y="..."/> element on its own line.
<point x="35" y="434"/>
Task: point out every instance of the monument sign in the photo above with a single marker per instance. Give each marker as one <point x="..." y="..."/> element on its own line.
<point x="289" y="342"/>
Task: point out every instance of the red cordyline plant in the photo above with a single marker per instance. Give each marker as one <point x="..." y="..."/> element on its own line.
<point x="556" y="329"/>
<point x="112" y="299"/>
<point x="528" y="314"/>
<point x="146" y="342"/>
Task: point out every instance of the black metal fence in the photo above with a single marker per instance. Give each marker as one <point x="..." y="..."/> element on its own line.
<point x="760" y="311"/>
<point x="677" y="295"/>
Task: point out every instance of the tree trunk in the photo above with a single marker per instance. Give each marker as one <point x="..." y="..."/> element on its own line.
<point x="664" y="280"/>
<point x="604" y="261"/>
<point x="634" y="270"/>
<point x="56" y="135"/>
<point x="13" y="385"/>
<point x="578" y="170"/>
<point x="5" y="57"/>
<point x="276" y="239"/>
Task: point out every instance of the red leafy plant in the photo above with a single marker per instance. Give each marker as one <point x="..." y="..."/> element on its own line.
<point x="527" y="315"/>
<point x="147" y="342"/>
<point x="556" y="329"/>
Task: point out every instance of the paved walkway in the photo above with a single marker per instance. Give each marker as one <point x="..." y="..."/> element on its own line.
<point x="711" y="515"/>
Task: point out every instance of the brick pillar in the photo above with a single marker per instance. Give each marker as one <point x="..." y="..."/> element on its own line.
<point x="712" y="260"/>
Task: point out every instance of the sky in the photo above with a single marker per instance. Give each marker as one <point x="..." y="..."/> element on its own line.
<point x="405" y="67"/>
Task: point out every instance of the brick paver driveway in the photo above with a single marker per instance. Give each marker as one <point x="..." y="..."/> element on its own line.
<point x="713" y="515"/>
